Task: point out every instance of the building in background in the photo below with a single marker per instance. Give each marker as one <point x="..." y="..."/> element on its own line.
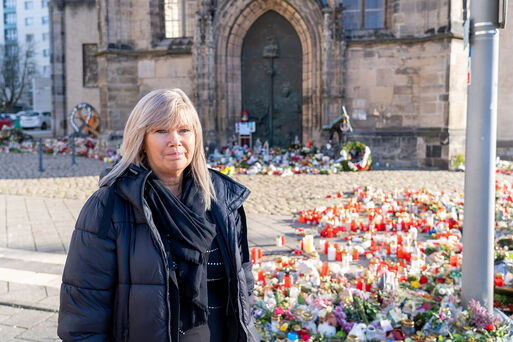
<point x="398" y="66"/>
<point x="25" y="25"/>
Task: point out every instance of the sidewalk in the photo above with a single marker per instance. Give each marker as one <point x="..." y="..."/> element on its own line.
<point x="34" y="240"/>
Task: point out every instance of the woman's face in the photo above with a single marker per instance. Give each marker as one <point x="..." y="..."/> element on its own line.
<point x="170" y="149"/>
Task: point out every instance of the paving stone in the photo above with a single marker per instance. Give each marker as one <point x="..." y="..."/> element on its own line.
<point x="25" y="318"/>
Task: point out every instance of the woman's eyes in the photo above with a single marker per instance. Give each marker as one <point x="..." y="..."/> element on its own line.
<point x="181" y="130"/>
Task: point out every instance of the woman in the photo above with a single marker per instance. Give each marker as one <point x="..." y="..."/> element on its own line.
<point x="160" y="252"/>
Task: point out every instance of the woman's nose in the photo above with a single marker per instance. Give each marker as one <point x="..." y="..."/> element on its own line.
<point x="174" y="139"/>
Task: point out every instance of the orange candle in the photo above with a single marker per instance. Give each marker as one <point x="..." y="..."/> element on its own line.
<point x="324" y="269"/>
<point x="389" y="250"/>
<point x="399" y="239"/>
<point x="356" y="255"/>
<point x="330" y="233"/>
<point x="353" y="225"/>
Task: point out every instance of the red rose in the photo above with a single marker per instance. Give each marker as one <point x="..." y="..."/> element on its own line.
<point x="423" y="280"/>
<point x="490" y="327"/>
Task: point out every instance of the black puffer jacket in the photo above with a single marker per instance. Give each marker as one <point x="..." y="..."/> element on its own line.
<point x="116" y="289"/>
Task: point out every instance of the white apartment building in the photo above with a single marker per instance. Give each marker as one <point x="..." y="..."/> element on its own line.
<point x="25" y="23"/>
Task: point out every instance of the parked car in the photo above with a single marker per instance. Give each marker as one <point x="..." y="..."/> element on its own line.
<point x="4" y="121"/>
<point x="35" y="120"/>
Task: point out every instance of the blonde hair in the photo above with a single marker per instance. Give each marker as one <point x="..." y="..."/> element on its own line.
<point x="162" y="107"/>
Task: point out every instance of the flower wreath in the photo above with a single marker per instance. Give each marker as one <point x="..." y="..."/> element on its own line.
<point x="361" y="162"/>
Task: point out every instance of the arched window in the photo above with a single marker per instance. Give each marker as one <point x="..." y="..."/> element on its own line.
<point x="364" y="14"/>
<point x="179" y="18"/>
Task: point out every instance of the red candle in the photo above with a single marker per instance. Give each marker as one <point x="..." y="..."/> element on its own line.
<point x="326" y="246"/>
<point x="368" y="287"/>
<point x="300" y="242"/>
<point x="330" y="233"/>
<point x="253" y="255"/>
<point x="400" y="239"/>
<point x="389" y="250"/>
<point x="359" y="284"/>
<point x="339" y="254"/>
<point x="454" y="260"/>
<point x="399" y="252"/>
<point x="259" y="253"/>
<point x="287" y="281"/>
<point x="499" y="280"/>
<point x="261" y="276"/>
<point x="407" y="256"/>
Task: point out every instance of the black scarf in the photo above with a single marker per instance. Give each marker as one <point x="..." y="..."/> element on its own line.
<point x="190" y="236"/>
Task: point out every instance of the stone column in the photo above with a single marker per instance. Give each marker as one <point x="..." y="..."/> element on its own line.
<point x="58" y="48"/>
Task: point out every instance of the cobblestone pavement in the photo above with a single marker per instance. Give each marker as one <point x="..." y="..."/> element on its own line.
<point x="38" y="212"/>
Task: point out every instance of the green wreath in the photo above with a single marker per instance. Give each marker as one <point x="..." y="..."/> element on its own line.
<point x="357" y="156"/>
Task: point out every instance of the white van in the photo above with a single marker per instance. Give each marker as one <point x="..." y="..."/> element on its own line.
<point x="35" y="120"/>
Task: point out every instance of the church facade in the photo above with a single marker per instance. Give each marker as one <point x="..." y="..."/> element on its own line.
<point x="398" y="66"/>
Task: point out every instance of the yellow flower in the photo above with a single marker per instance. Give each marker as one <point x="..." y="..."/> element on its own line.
<point x="415" y="284"/>
<point x="284" y="327"/>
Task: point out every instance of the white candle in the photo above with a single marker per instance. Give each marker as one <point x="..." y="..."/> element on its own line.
<point x="332" y="252"/>
<point x="308" y="244"/>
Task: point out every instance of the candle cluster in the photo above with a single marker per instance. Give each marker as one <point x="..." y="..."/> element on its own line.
<point x="296" y="159"/>
<point x="13" y="140"/>
<point x="377" y="266"/>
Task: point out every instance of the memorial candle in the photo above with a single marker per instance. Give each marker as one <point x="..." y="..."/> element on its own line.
<point x="280" y="240"/>
<point x="287" y="281"/>
<point x="308" y="243"/>
<point x="339" y="254"/>
<point x="356" y="255"/>
<point x="331" y="253"/>
<point x="326" y="246"/>
<point x="454" y="260"/>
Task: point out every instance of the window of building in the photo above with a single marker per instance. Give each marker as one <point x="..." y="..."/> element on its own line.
<point x="29" y="38"/>
<point x="10" y="18"/>
<point x="364" y="14"/>
<point x="30" y="53"/>
<point x="11" y="34"/>
<point x="46" y="71"/>
<point x="46" y="52"/>
<point x="44" y="3"/>
<point x="89" y="65"/>
<point x="11" y="50"/>
<point x="179" y="16"/>
<point x="29" y="5"/>
<point x="44" y="20"/>
<point x="29" y="21"/>
<point x="10" y="3"/>
<point x="46" y="36"/>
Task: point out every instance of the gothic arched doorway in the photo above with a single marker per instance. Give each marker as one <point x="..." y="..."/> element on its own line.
<point x="272" y="79"/>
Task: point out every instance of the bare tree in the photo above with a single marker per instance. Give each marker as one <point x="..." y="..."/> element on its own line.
<point x="17" y="70"/>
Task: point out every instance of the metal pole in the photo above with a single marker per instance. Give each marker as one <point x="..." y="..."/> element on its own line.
<point x="73" y="162"/>
<point x="478" y="231"/>
<point x="41" y="155"/>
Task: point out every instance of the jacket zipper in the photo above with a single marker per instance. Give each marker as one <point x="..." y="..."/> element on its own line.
<point x="156" y="238"/>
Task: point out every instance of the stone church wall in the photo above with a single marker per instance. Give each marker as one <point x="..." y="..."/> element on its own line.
<point x="398" y="95"/>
